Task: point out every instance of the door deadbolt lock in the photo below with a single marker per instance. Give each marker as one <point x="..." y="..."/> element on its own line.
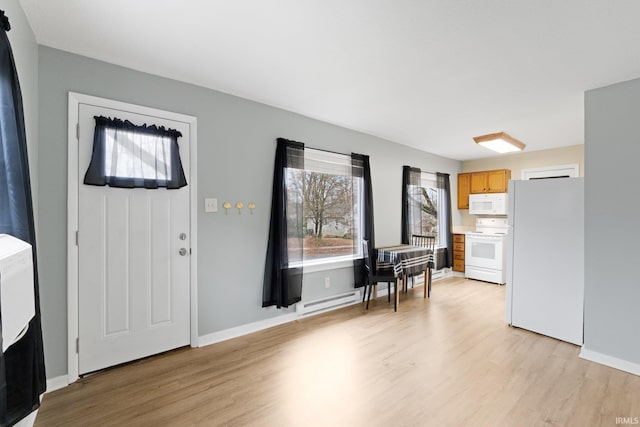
<point x="182" y="251"/>
<point x="182" y="236"/>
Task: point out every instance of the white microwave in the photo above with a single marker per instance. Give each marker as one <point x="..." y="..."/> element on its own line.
<point x="488" y="204"/>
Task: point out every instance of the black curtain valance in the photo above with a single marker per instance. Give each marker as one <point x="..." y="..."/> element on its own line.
<point x="144" y="128"/>
<point x="126" y="155"/>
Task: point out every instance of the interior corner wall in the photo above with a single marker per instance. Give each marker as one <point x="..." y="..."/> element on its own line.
<point x="612" y="289"/>
<point x="236" y="151"/>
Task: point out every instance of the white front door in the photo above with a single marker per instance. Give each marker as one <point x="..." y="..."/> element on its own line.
<point x="133" y="259"/>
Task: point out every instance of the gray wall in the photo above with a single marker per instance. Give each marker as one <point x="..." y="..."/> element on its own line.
<point x="236" y="149"/>
<point x="612" y="288"/>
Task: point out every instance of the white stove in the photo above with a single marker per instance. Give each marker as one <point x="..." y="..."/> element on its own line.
<point x="485" y="255"/>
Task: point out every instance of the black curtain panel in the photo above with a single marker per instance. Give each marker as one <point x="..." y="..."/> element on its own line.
<point x="3" y="380"/>
<point x="282" y="284"/>
<point x="411" y="182"/>
<point x="131" y="156"/>
<point x="361" y="170"/>
<point x="24" y="372"/>
<point x="445" y="257"/>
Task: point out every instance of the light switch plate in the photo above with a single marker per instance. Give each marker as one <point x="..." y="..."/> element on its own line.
<point x="211" y="205"/>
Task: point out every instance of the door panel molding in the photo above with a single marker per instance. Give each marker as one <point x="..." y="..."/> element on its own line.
<point x="75" y="99"/>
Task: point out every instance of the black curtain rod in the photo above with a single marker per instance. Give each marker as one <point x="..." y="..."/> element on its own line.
<point x="318" y="149"/>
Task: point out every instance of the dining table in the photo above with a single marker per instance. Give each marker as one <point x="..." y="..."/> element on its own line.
<point x="407" y="261"/>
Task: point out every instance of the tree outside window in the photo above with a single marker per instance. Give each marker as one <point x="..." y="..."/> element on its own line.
<point x="331" y="221"/>
<point x="423" y="215"/>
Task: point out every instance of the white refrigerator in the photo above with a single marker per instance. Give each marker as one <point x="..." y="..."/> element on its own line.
<point x="545" y="257"/>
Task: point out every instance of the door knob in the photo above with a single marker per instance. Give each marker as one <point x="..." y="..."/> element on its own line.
<point x="182" y="251"/>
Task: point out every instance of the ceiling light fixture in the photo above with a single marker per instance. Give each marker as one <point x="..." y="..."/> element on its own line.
<point x="500" y="142"/>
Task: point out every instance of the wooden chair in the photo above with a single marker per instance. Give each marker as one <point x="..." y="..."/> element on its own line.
<point x="376" y="275"/>
<point x="428" y="242"/>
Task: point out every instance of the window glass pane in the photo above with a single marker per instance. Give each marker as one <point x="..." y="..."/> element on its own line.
<point x="136" y="155"/>
<point x="125" y="155"/>
<point x="295" y="226"/>
<point x="331" y="218"/>
<point x="429" y="198"/>
<point x="328" y="214"/>
<point x="327" y="163"/>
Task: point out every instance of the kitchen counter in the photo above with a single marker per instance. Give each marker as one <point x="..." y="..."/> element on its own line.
<point x="461" y="229"/>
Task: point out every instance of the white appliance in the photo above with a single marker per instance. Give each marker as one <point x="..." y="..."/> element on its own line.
<point x="484" y="257"/>
<point x="488" y="204"/>
<point x="16" y="288"/>
<point x="545" y="257"/>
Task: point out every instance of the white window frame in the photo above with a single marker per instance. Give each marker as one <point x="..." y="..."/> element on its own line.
<point x="335" y="162"/>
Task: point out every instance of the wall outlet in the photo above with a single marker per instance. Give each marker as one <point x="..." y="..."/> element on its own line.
<point x="211" y="205"/>
<point x="327" y="282"/>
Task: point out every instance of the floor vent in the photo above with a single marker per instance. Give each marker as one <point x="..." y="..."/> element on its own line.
<point x="330" y="303"/>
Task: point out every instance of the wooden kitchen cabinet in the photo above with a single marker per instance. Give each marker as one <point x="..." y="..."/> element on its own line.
<point x="479" y="182"/>
<point x="464" y="188"/>
<point x="493" y="181"/>
<point x="458" y="252"/>
<point x="498" y="180"/>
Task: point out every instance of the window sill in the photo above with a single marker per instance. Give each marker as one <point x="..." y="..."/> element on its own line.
<point x="325" y="264"/>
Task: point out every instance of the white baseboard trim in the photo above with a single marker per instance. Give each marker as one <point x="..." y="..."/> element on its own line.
<point x="57" y="383"/>
<point x="248" y="328"/>
<point x="613" y="362"/>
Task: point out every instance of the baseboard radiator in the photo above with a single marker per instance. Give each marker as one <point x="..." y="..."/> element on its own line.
<point x="437" y="274"/>
<point x="329" y="303"/>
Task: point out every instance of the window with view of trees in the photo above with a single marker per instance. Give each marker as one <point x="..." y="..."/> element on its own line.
<point x="425" y="200"/>
<point x="329" y="196"/>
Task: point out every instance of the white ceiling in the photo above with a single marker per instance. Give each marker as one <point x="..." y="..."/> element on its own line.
<point x="425" y="73"/>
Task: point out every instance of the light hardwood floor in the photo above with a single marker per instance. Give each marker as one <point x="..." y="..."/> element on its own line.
<point x="450" y="360"/>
